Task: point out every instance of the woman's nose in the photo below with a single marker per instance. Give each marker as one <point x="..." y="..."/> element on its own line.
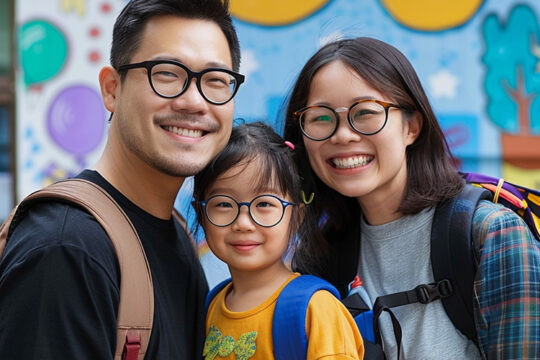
<point x="344" y="133"/>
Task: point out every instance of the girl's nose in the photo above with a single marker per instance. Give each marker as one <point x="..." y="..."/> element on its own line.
<point x="243" y="222"/>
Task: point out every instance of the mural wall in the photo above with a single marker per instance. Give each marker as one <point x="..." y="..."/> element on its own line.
<point x="478" y="60"/>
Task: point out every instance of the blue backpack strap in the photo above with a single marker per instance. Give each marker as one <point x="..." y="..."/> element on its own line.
<point x="289" y="322"/>
<point x="212" y="293"/>
<point x="454" y="257"/>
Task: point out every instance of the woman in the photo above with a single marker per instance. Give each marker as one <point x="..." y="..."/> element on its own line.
<point x="375" y="164"/>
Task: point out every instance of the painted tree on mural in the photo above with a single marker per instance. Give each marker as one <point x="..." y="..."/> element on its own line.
<point x="512" y="82"/>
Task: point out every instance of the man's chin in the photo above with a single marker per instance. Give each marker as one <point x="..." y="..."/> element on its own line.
<point x="181" y="170"/>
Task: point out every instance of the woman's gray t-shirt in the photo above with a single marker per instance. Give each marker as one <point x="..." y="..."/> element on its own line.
<point x="395" y="257"/>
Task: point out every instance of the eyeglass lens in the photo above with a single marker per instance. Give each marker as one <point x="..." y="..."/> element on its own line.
<point x="170" y="80"/>
<point x="366" y="117"/>
<point x="264" y="210"/>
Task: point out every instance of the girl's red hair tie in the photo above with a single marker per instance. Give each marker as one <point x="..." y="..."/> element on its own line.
<point x="289" y="144"/>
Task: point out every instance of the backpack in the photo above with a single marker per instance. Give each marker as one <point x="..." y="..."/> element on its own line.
<point x="289" y="320"/>
<point x="454" y="256"/>
<point x="136" y="307"/>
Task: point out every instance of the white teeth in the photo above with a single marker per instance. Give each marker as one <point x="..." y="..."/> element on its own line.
<point x="184" y="132"/>
<point x="351" y="162"/>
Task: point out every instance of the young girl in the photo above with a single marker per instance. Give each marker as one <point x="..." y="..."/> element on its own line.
<point x="370" y="149"/>
<point x="248" y="203"/>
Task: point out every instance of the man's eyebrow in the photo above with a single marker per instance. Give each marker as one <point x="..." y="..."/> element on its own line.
<point x="210" y="64"/>
<point x="218" y="64"/>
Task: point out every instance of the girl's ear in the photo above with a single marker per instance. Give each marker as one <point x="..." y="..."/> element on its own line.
<point x="299" y="218"/>
<point x="414" y="126"/>
<point x="301" y="212"/>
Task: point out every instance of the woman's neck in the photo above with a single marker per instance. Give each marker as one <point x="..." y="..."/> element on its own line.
<point x="381" y="206"/>
<point x="251" y="289"/>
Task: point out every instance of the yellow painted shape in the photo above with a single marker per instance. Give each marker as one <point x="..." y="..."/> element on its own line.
<point x="432" y="15"/>
<point x="78" y="6"/>
<point x="525" y="177"/>
<point x="274" y="12"/>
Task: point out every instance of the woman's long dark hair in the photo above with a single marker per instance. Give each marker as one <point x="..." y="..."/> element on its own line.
<point x="431" y="174"/>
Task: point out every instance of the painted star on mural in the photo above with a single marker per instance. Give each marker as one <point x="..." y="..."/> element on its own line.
<point x="443" y="84"/>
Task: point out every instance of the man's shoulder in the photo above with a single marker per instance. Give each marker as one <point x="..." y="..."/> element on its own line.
<point x="53" y="224"/>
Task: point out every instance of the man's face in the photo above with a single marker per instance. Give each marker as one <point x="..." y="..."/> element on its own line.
<point x="177" y="136"/>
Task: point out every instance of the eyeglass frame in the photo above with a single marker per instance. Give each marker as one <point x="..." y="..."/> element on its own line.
<point x="149" y="64"/>
<point x="386" y="105"/>
<point x="284" y="203"/>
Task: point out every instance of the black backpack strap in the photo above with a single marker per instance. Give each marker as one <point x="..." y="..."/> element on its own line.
<point x="453" y="256"/>
<point x="423" y="294"/>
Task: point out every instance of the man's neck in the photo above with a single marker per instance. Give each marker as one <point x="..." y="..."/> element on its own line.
<point x="145" y="186"/>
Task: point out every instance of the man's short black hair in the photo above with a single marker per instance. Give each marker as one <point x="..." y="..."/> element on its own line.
<point x="130" y="24"/>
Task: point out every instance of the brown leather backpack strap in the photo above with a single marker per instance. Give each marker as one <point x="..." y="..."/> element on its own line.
<point x="136" y="308"/>
<point x="4" y="230"/>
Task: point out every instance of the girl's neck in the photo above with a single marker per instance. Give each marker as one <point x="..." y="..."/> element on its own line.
<point x="251" y="289"/>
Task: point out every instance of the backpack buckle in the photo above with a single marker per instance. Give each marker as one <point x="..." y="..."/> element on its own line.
<point x="427" y="293"/>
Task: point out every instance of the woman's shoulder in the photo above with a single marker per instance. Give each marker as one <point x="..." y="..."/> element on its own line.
<point x="490" y="219"/>
<point x="497" y="228"/>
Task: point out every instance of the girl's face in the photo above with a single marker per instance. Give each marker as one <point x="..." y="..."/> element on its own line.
<point x="371" y="168"/>
<point x="244" y="245"/>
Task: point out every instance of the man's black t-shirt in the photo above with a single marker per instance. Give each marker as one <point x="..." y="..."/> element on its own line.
<point x="59" y="285"/>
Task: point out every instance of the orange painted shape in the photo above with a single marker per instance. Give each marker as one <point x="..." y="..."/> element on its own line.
<point x="432" y="15"/>
<point x="274" y="12"/>
<point x="522" y="151"/>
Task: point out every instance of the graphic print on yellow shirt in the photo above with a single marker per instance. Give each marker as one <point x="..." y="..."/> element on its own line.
<point x="217" y="344"/>
<point x="247" y="335"/>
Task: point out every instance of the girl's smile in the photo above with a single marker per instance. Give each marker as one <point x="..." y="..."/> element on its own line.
<point x="243" y="244"/>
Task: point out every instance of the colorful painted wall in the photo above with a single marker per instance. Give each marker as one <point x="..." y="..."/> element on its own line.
<point x="479" y="62"/>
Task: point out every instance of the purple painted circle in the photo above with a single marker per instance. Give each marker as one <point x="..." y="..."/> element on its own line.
<point x="76" y="119"/>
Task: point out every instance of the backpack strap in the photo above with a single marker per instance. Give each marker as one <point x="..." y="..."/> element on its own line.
<point x="136" y="308"/>
<point x="522" y="200"/>
<point x="454" y="257"/>
<point x="289" y="321"/>
<point x="212" y="293"/>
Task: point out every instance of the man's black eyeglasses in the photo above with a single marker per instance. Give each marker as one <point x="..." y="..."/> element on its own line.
<point x="170" y="79"/>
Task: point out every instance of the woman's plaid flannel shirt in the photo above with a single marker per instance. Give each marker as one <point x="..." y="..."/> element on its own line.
<point x="507" y="285"/>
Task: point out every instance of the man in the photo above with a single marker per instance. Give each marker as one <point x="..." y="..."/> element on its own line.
<point x="170" y="91"/>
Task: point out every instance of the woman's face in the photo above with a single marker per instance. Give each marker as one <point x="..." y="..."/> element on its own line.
<point x="367" y="167"/>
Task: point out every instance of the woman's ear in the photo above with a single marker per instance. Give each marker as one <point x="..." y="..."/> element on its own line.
<point x="109" y="82"/>
<point x="414" y="126"/>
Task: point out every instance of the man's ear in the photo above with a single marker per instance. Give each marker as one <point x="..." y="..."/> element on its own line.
<point x="414" y="126"/>
<point x="109" y="82"/>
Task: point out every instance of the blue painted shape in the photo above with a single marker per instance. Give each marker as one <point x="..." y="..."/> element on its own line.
<point x="508" y="56"/>
<point x="461" y="131"/>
